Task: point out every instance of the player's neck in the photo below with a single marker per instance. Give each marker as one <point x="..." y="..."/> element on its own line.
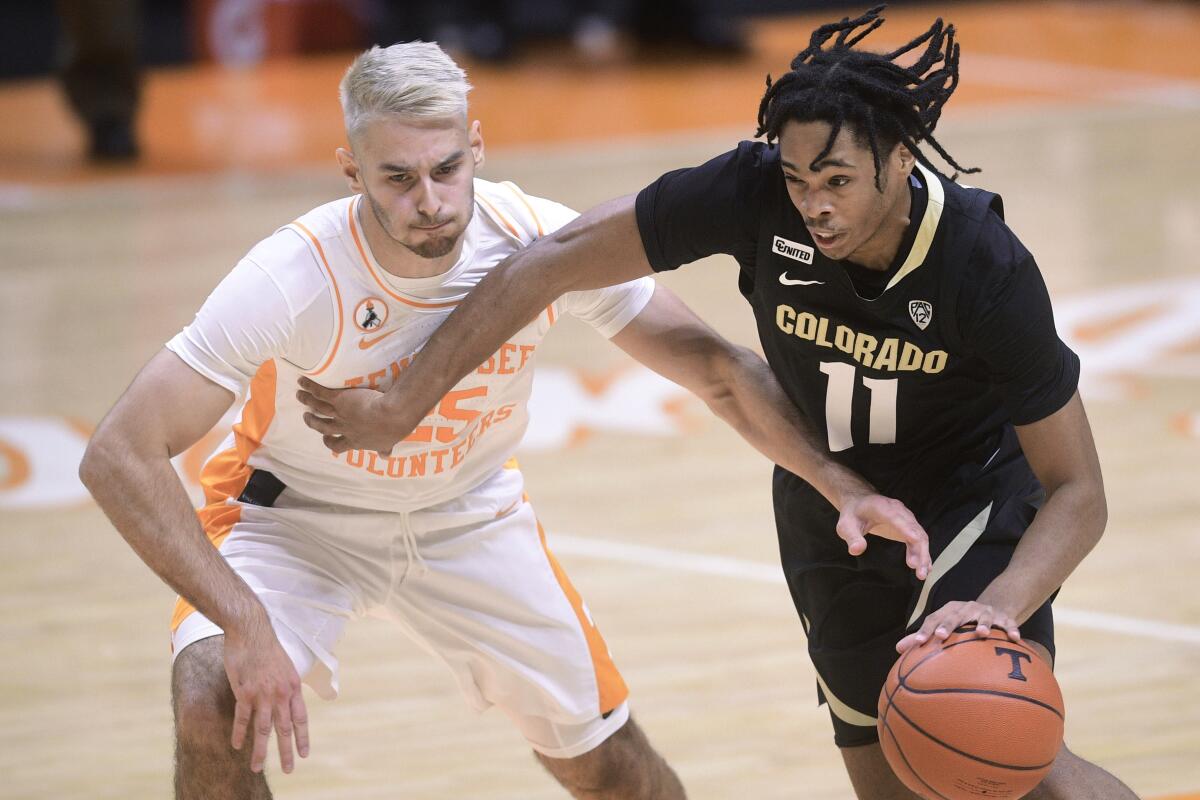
<point x="879" y="252"/>
<point x="396" y="259"/>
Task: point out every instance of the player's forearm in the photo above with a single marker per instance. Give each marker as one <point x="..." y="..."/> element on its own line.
<point x="144" y="500"/>
<point x="600" y="248"/>
<point x="506" y="300"/>
<point x="1065" y="530"/>
<point x="751" y="400"/>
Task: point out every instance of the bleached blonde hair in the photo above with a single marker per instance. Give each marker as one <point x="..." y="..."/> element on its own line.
<point x="415" y="79"/>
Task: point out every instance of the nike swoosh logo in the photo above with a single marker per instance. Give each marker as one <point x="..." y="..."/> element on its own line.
<point x="786" y="281"/>
<point x="366" y="342"/>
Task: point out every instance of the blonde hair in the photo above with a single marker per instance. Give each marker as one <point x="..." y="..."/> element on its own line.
<point x="416" y="79"/>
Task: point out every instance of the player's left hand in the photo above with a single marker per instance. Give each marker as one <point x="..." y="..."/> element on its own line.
<point x="348" y="419"/>
<point x="955" y="614"/>
<point x="882" y="516"/>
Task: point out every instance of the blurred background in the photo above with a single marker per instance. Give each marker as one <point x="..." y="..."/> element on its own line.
<point x="144" y="147"/>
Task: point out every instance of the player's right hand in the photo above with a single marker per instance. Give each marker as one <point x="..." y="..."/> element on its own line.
<point x="882" y="516"/>
<point x="268" y="694"/>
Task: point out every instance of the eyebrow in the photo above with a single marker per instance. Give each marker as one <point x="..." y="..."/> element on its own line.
<point x="450" y="159"/>
<point x="822" y="164"/>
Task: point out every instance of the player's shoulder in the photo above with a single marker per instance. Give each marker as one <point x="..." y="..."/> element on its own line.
<point x="291" y="255"/>
<point x="324" y="223"/>
<point x="979" y="236"/>
<point x="755" y="155"/>
<point x="518" y="214"/>
<point x="754" y="164"/>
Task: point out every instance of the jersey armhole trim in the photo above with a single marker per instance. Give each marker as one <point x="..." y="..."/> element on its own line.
<point x="495" y="214"/>
<point x="337" y="297"/>
<point x="525" y="202"/>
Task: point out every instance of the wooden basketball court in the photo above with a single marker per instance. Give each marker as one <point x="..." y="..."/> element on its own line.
<point x="1084" y="115"/>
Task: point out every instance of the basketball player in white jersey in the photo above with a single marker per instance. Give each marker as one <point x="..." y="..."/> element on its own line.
<point x="438" y="535"/>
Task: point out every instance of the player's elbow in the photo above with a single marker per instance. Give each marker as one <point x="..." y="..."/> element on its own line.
<point x="1097" y="505"/>
<point x="104" y="456"/>
<point x="95" y="462"/>
<point x="725" y="368"/>
<point x="1089" y="507"/>
<point x="542" y="269"/>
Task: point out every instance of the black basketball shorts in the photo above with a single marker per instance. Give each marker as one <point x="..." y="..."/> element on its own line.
<point x="855" y="609"/>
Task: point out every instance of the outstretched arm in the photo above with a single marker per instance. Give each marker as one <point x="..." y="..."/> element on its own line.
<point x="741" y="389"/>
<point x="600" y="248"/>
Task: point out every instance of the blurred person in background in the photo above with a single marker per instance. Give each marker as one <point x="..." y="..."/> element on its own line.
<point x="100" y="73"/>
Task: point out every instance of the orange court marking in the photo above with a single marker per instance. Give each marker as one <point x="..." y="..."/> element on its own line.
<point x="17" y="472"/>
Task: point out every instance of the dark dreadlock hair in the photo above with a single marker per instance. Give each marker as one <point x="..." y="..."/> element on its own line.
<point x="883" y="102"/>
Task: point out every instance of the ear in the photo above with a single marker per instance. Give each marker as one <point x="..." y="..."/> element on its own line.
<point x="904" y="159"/>
<point x="475" y="137"/>
<point x="349" y="167"/>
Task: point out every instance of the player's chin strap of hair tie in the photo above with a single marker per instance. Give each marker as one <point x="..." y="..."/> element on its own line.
<point x="413" y="553"/>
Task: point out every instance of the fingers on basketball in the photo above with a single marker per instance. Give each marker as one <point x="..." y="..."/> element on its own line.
<point x="971" y="717"/>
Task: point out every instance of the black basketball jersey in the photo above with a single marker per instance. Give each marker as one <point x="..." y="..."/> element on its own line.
<point x="915" y="388"/>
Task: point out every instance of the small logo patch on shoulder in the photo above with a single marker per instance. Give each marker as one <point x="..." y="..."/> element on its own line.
<point x="921" y="312"/>
<point x="793" y="250"/>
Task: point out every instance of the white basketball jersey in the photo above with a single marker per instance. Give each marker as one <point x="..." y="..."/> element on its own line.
<point x="379" y="324"/>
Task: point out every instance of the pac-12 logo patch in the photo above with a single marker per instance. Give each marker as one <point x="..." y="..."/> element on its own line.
<point x="921" y="312"/>
<point x="793" y="250"/>
<point x="370" y="314"/>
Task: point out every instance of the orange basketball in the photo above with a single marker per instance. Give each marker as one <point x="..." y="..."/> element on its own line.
<point x="971" y="718"/>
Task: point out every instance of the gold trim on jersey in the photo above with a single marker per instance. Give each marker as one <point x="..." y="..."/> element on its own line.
<point x="929" y="225"/>
<point x="840" y="710"/>
<point x="953" y="553"/>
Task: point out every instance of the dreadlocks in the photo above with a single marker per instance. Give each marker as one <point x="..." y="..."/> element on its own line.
<point x="883" y="102"/>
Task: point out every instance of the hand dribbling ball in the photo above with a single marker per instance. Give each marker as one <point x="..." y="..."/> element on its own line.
<point x="971" y="717"/>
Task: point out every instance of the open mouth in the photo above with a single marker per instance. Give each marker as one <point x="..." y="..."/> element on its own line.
<point x="825" y="240"/>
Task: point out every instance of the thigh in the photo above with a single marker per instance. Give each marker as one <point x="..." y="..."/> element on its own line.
<point x="199" y="681"/>
<point x="301" y="583"/>
<point x="496" y="607"/>
<point x="856" y="609"/>
<point x="852" y="608"/>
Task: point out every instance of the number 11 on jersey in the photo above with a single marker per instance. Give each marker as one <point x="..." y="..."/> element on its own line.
<point x="839" y="401"/>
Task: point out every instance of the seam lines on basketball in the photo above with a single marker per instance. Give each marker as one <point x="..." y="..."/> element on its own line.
<point x="995" y="692"/>
<point x="911" y="768"/>
<point x="953" y="553"/>
<point x="964" y="753"/>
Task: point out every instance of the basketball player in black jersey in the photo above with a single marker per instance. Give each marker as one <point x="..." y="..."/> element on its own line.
<point x="903" y="318"/>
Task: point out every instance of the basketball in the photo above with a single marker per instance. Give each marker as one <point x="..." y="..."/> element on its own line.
<point x="971" y="717"/>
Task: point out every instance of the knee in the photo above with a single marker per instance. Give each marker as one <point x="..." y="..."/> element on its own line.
<point x="200" y="693"/>
<point x="594" y="774"/>
<point x="622" y="766"/>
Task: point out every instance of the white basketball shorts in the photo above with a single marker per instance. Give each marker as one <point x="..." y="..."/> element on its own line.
<point x="471" y="580"/>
